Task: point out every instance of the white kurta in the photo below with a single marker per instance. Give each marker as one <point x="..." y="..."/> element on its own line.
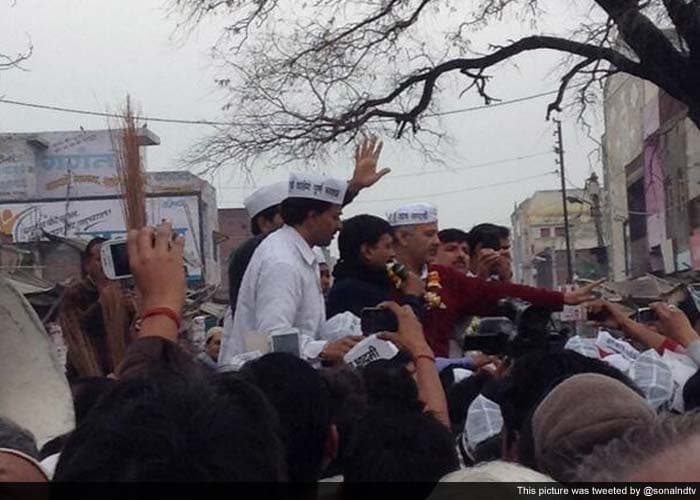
<point x="281" y="289"/>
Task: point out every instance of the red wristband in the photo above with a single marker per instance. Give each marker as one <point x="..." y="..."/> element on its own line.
<point x="162" y="311"/>
<point x="425" y="356"/>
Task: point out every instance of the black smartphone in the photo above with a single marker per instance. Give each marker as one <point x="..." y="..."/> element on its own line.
<point x="646" y="315"/>
<point x="601" y="315"/>
<point x="375" y="320"/>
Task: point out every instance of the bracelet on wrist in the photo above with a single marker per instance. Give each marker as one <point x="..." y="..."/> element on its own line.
<point x="424" y="356"/>
<point x="162" y="311"/>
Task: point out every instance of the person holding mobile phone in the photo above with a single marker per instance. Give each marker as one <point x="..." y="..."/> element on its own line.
<point x="96" y="315"/>
<point x="489" y="249"/>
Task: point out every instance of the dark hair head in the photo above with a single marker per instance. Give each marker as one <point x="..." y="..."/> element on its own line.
<point x="301" y="399"/>
<point x="268" y="214"/>
<point x="86" y="392"/>
<point x="691" y="393"/>
<point x="453" y="235"/>
<point x="390" y="385"/>
<point x="397" y="446"/>
<point x="357" y="231"/>
<point x="87" y="253"/>
<point x="295" y="211"/>
<point x="17" y="438"/>
<point x="533" y="375"/>
<point x="488" y="236"/>
<point x="461" y="395"/>
<point x="348" y="406"/>
<point x="171" y="428"/>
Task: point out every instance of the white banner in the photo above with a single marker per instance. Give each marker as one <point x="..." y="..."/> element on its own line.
<point x="86" y="219"/>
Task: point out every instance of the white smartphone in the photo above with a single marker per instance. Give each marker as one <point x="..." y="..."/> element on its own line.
<point x="285" y="341"/>
<point x="115" y="259"/>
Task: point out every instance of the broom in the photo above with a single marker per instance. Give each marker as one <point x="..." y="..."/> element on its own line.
<point x="132" y="184"/>
<point x="130" y="173"/>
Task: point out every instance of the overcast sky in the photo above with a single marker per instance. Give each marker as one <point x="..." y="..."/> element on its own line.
<point x="89" y="54"/>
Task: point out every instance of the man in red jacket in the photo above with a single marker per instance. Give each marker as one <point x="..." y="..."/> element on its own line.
<point x="450" y="295"/>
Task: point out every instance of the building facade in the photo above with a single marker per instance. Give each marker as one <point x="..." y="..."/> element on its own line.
<point x="652" y="176"/>
<point x="539" y="239"/>
<point x="66" y="184"/>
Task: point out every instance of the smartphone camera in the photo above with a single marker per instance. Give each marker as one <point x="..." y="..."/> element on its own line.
<point x="646" y="315"/>
<point x="287" y="341"/>
<point x="115" y="259"/>
<point x="375" y="320"/>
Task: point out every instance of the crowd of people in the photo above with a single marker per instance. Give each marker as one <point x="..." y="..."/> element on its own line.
<point x="299" y="386"/>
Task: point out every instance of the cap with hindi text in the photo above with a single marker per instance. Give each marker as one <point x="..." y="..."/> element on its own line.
<point x="415" y="213"/>
<point x="316" y="187"/>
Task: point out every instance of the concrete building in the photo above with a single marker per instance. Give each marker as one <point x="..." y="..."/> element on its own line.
<point x="66" y="184"/>
<point x="652" y="177"/>
<point x="234" y="226"/>
<point x="539" y="242"/>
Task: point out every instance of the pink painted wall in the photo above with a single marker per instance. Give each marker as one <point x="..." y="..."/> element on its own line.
<point x="654" y="192"/>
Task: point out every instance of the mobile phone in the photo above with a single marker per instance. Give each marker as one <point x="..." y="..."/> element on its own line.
<point x="599" y="315"/>
<point x="646" y="315"/>
<point x="115" y="259"/>
<point x="374" y="320"/>
<point x="398" y="269"/>
<point x="286" y="341"/>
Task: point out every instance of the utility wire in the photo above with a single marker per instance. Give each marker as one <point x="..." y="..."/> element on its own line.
<point x="62" y="109"/>
<point x="456" y="191"/>
<point x="474" y="166"/>
<point x="76" y="111"/>
<point x="427" y="172"/>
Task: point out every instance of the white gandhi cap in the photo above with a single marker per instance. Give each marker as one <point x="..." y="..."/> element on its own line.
<point x="317" y="187"/>
<point x="265" y="197"/>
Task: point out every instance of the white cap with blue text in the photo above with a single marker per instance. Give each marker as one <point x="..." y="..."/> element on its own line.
<point x="317" y="187"/>
<point x="265" y="197"/>
<point x="415" y="213"/>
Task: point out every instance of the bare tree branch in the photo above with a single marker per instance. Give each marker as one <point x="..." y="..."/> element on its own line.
<point x="308" y="75"/>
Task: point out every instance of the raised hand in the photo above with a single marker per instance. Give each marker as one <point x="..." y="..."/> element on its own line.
<point x="674" y="324"/>
<point x="157" y="265"/>
<point x="366" y="161"/>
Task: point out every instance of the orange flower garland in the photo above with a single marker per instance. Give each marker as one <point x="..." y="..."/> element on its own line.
<point x="432" y="291"/>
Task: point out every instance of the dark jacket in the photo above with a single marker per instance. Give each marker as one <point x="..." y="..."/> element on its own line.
<point x="356" y="287"/>
<point x="237" y="264"/>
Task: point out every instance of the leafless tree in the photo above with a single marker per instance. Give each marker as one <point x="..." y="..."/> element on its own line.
<point x="301" y="75"/>
<point x="14" y="61"/>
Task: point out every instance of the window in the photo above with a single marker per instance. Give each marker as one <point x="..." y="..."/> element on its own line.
<point x="559" y="232"/>
<point x="545" y="232"/>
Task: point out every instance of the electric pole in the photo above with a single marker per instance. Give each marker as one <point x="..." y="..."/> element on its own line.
<point x="559" y="148"/>
<point x="596" y="213"/>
